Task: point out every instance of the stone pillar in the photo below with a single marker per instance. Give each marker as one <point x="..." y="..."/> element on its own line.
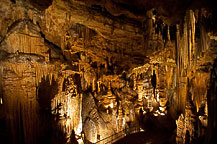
<point x="140" y="91"/>
<point x="120" y="117"/>
<point x="134" y="82"/>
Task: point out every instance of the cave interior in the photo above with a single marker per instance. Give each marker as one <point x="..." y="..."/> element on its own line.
<point x="108" y="71"/>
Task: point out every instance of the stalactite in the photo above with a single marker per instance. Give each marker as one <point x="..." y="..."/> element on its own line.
<point x="193" y="37"/>
<point x="93" y="85"/>
<point x="109" y="60"/>
<point x="106" y="66"/>
<point x="168" y="32"/>
<point x="1" y="69"/>
<point x="178" y="48"/>
<point x="204" y="39"/>
<point x="134" y="82"/>
<point x="185" y="46"/>
<point x="98" y="86"/>
<point x="55" y="76"/>
<point x="79" y="67"/>
<point x="189" y="47"/>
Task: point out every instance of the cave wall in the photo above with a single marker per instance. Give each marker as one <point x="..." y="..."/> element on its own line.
<point x="26" y="60"/>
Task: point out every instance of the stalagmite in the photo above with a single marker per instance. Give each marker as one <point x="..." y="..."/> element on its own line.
<point x="120" y="117"/>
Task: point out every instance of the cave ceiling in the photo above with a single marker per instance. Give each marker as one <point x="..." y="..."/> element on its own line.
<point x="103" y="38"/>
<point x="104" y="30"/>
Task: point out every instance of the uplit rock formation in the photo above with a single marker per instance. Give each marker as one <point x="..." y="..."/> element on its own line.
<point x="81" y="71"/>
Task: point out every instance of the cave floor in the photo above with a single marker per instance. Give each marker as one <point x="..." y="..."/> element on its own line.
<point x="154" y="136"/>
<point x="157" y="130"/>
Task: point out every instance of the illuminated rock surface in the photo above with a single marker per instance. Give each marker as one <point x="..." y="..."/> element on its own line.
<point x="87" y="71"/>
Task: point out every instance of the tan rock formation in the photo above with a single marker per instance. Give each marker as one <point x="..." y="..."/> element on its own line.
<point x="83" y="70"/>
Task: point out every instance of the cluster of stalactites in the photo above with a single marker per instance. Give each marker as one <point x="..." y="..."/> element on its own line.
<point x="185" y="48"/>
<point x="41" y="71"/>
<point x="67" y="105"/>
<point x="45" y="71"/>
<point x="188" y="48"/>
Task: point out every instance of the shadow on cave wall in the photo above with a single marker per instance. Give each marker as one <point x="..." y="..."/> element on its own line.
<point x="48" y="131"/>
<point x="212" y="106"/>
<point x="3" y="129"/>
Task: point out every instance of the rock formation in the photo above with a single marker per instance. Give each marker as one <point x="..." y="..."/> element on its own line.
<point x="81" y="70"/>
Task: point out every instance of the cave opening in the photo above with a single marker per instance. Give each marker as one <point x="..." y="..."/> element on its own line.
<point x="48" y="130"/>
<point x="46" y="92"/>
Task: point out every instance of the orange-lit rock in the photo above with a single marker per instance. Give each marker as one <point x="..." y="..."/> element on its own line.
<point x="81" y="71"/>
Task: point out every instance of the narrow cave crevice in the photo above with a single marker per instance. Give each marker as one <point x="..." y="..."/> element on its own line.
<point x="46" y="92"/>
<point x="13" y="1"/>
<point x="48" y="130"/>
